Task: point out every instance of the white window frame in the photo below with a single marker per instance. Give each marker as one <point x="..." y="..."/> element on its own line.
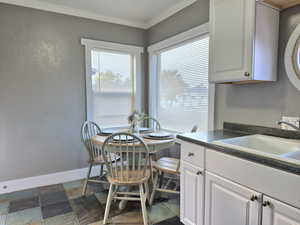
<point x="136" y="54"/>
<point x="154" y="64"/>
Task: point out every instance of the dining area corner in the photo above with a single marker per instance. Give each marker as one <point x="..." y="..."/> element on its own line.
<point x="131" y="164"/>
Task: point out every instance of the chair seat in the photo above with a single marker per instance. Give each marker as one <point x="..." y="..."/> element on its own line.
<point x="129" y="177"/>
<point x="100" y="160"/>
<point x="168" y="165"/>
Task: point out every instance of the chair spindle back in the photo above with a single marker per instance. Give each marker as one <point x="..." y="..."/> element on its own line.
<point x="152" y="123"/>
<point x="90" y="129"/>
<point x="126" y="160"/>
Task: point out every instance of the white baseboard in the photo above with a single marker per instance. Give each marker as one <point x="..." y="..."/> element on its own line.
<point x="44" y="180"/>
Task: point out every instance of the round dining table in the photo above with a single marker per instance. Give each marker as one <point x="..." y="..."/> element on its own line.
<point x="154" y="146"/>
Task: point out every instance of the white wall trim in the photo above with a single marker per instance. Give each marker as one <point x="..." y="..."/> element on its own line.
<point x="51" y="7"/>
<point x="112" y="46"/>
<point x="169" y="12"/>
<point x="44" y="180"/>
<point x="134" y="51"/>
<point x="179" y="38"/>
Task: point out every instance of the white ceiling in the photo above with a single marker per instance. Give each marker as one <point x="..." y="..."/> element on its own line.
<point x="137" y="13"/>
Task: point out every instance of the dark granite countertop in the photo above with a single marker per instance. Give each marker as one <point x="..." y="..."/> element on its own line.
<point x="237" y="130"/>
<point x="206" y="138"/>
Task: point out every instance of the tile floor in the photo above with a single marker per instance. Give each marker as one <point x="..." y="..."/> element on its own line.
<point x="63" y="204"/>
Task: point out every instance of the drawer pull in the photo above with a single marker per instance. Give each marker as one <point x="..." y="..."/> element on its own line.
<point x="254" y="198"/>
<point x="199" y="173"/>
<point x="247" y="74"/>
<point x="266" y="203"/>
<point x="191" y="154"/>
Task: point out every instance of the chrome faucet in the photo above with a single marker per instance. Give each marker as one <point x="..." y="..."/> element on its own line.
<point x="289" y="124"/>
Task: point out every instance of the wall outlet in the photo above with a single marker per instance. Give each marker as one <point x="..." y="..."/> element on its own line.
<point x="292" y="120"/>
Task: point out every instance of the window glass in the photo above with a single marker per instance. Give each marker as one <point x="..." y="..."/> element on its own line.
<point x="183" y="86"/>
<point x="112" y="88"/>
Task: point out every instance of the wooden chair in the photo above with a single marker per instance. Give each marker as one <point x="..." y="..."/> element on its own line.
<point x="166" y="165"/>
<point x="152" y="123"/>
<point x="90" y="129"/>
<point x="133" y="169"/>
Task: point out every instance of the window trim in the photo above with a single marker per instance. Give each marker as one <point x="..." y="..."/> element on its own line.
<point x="136" y="54"/>
<point x="154" y="61"/>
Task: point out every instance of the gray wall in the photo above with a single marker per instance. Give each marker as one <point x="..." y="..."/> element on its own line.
<point x="42" y="88"/>
<point x="189" y="17"/>
<point x="260" y="104"/>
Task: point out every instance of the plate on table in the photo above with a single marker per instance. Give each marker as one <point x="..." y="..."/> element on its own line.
<point x="123" y="138"/>
<point x="159" y="136"/>
<point x="109" y="131"/>
<point x="144" y="129"/>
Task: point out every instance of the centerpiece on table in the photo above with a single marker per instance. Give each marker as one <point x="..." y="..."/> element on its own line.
<point x="134" y="120"/>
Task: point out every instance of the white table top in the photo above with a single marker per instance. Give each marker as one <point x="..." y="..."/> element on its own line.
<point x="153" y="145"/>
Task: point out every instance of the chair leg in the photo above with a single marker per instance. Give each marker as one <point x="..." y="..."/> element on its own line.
<point x="177" y="184"/>
<point x="108" y="203"/>
<point x="101" y="170"/>
<point x="147" y="191"/>
<point x="155" y="183"/>
<point x="87" y="179"/>
<point x="143" y="203"/>
<point x="161" y="179"/>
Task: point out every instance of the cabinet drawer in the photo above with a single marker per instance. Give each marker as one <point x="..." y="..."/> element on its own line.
<point x="193" y="154"/>
<point x="261" y="178"/>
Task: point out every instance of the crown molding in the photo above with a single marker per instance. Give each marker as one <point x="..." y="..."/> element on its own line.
<point x="50" y="7"/>
<point x="35" y="4"/>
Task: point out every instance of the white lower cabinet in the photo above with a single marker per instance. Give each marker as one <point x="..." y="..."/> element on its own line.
<point x="192" y="194"/>
<point x="225" y="193"/>
<point x="230" y="203"/>
<point x="278" y="213"/>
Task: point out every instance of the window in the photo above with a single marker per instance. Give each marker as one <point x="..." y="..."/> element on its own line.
<point x="112" y="86"/>
<point x="180" y="93"/>
<point x="112" y="78"/>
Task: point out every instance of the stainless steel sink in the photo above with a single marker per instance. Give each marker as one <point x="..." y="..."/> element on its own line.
<point x="279" y="148"/>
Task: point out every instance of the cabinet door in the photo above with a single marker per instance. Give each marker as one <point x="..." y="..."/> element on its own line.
<point x="232" y="28"/>
<point x="230" y="203"/>
<point x="278" y="213"/>
<point x="191" y="194"/>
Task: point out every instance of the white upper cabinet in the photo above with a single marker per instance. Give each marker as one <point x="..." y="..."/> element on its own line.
<point x="243" y="41"/>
